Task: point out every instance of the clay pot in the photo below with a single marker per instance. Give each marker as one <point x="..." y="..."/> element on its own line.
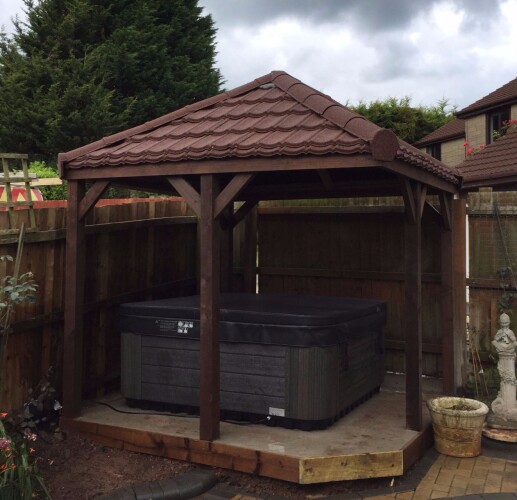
<point x="457" y="425"/>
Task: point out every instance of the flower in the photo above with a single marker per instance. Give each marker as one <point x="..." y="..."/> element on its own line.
<point x="466" y="144"/>
<point x="3" y="415"/>
<point x="472" y="151"/>
<point x="5" y="444"/>
<point x="29" y="436"/>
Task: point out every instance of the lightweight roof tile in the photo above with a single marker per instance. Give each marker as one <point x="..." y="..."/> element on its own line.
<point x="274" y="115"/>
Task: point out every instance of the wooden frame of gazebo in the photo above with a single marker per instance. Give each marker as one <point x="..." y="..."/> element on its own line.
<point x="353" y="158"/>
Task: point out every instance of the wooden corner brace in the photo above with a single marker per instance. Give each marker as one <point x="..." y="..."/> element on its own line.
<point x="225" y="197"/>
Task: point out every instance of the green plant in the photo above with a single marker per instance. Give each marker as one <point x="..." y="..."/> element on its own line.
<point x="13" y="291"/>
<point x="507" y="125"/>
<point x="505" y="303"/>
<point x="44" y="171"/>
<point x="19" y="476"/>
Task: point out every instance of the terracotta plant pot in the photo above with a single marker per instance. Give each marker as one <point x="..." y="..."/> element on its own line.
<point x="457" y="425"/>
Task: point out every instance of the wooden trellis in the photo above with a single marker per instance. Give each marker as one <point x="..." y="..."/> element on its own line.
<point x="17" y="174"/>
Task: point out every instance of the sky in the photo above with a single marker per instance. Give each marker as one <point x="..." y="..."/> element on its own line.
<point x="363" y="50"/>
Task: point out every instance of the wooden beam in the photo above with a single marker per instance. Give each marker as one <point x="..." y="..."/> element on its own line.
<point x="413" y="309"/>
<point x="209" y="403"/>
<point x="419" y="175"/>
<point x="459" y="235"/>
<point x="406" y="188"/>
<point x="232" y="189"/>
<point x="352" y="209"/>
<point x="326" y="179"/>
<point x="91" y="197"/>
<point x="226" y="249"/>
<point x="249" y="252"/>
<point x="445" y="210"/>
<point x="240" y="165"/>
<point x="423" y="193"/>
<point x="343" y="273"/>
<point x="243" y="211"/>
<point x="297" y="190"/>
<point x="185" y="189"/>
<point x="447" y="311"/>
<point x="74" y="303"/>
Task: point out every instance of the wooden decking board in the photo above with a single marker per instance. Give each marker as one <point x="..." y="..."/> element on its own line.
<point x="369" y="442"/>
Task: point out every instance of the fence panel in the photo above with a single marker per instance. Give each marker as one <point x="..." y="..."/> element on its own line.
<point x="492" y="263"/>
<point x="354" y="252"/>
<point x="127" y="258"/>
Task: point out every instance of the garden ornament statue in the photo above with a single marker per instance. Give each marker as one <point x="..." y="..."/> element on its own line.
<point x="504" y="407"/>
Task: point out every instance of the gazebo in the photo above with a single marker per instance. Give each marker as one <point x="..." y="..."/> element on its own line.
<point x="274" y="138"/>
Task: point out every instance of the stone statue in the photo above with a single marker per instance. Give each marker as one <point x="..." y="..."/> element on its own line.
<point x="504" y="407"/>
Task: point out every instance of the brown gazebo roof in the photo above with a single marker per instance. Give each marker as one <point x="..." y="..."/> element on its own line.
<point x="492" y="166"/>
<point x="275" y="115"/>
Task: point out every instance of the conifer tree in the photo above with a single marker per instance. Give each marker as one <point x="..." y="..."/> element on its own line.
<point x="77" y="70"/>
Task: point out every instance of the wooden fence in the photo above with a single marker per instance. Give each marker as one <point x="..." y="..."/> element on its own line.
<point x="127" y="258"/>
<point x="493" y="264"/>
<point x="355" y="252"/>
<point x="337" y="247"/>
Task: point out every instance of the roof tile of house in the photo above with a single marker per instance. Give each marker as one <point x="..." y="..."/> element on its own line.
<point x="455" y="129"/>
<point x="496" y="161"/>
<point x="503" y="95"/>
<point x="271" y="116"/>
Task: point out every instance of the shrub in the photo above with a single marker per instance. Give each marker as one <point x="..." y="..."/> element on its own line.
<point x="44" y="171"/>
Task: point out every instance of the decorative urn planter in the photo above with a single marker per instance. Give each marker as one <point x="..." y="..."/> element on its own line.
<point x="457" y="425"/>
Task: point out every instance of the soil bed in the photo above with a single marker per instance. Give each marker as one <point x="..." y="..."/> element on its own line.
<point x="75" y="467"/>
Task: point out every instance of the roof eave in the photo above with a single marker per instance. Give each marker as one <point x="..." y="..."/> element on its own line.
<point x="439" y="140"/>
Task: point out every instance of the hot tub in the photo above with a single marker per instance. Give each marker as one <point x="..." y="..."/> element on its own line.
<point x="296" y="360"/>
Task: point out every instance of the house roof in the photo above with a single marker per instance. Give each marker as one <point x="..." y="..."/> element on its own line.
<point x="274" y="115"/>
<point x="503" y="95"/>
<point x="496" y="164"/>
<point x="455" y="129"/>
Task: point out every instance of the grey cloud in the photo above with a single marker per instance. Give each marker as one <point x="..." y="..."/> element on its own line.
<point x="367" y="15"/>
<point x="253" y="12"/>
<point x="395" y="58"/>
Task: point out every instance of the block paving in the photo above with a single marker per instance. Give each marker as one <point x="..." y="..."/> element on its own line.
<point x="437" y="476"/>
<point x="451" y="477"/>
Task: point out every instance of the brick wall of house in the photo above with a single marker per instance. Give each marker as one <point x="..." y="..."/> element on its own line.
<point x="513" y="112"/>
<point x="453" y="152"/>
<point x="475" y="130"/>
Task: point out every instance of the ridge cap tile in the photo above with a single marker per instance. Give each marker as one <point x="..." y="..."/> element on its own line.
<point x="318" y="103"/>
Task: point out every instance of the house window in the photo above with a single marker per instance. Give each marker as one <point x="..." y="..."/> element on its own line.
<point x="435" y="150"/>
<point x="495" y="122"/>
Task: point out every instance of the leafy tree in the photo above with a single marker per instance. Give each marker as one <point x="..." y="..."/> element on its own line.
<point x="408" y="122"/>
<point x="77" y="70"/>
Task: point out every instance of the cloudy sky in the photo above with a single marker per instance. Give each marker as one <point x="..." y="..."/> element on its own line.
<point x="365" y="49"/>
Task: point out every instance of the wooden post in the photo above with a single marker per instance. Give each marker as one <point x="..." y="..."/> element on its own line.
<point x="209" y="312"/>
<point x="74" y="303"/>
<point x="447" y="305"/>
<point x="227" y="249"/>
<point x="249" y="254"/>
<point x="459" y="287"/>
<point x="413" y="307"/>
